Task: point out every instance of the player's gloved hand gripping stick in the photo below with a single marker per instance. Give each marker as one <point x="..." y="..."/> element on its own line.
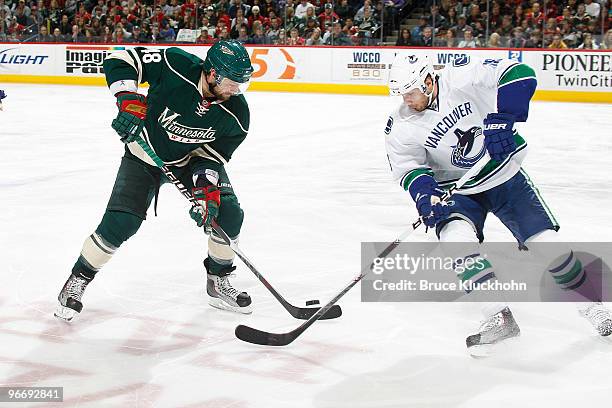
<point x="132" y="113"/>
<point x="427" y="196"/>
<point x="209" y="199"/>
<point x="304" y="313"/>
<point x="256" y="336"/>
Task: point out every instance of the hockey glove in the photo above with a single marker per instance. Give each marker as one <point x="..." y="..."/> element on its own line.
<point x="426" y="194"/>
<point x="209" y="200"/>
<point x="499" y="138"/>
<point x="132" y="113"/>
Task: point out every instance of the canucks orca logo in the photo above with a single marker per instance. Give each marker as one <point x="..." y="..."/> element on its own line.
<point x="460" y="156"/>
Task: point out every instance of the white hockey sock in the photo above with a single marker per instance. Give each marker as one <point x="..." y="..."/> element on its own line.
<point x="96" y="252"/>
<point x="219" y="250"/>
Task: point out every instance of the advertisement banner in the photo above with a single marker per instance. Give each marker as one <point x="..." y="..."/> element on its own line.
<point x="586" y="71"/>
<point x="366" y="66"/>
<point x="18" y="59"/>
<point x="562" y="75"/>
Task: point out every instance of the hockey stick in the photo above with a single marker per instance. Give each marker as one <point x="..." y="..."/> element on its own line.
<point x="295" y="311"/>
<point x="255" y="336"/>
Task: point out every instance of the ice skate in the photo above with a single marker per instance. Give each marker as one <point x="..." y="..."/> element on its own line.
<point x="70" y="298"/>
<point x="223" y="295"/>
<point x="600" y="318"/>
<point x="495" y="329"/>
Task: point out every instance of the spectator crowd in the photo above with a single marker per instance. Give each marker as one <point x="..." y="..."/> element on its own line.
<point x="283" y="22"/>
<point x="559" y="24"/>
<point x="448" y="23"/>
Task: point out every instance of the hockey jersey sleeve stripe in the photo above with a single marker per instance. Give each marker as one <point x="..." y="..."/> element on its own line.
<point x="123" y="56"/>
<point x="516" y="88"/>
<point x="412" y="175"/>
<point x="138" y="63"/>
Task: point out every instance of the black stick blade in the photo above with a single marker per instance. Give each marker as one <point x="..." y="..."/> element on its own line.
<point x="306" y="313"/>
<point x="251" y="335"/>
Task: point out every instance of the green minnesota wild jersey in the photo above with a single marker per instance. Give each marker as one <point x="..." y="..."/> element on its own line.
<point x="180" y="125"/>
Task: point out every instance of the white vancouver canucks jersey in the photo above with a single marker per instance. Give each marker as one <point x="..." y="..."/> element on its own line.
<point x="446" y="139"/>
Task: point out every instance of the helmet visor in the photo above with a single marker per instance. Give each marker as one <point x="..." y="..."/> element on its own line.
<point x="228" y="87"/>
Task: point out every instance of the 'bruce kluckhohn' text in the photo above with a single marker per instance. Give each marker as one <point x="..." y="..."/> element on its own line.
<point x="466" y="286"/>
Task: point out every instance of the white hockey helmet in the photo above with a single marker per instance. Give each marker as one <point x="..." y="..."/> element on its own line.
<point x="409" y="72"/>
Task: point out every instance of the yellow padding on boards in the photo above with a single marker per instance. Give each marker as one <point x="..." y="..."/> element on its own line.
<point x="573" y="96"/>
<point x="59" y="80"/>
<point x="353" y="89"/>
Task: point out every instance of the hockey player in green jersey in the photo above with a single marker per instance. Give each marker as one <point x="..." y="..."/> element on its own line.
<point x="194" y="117"/>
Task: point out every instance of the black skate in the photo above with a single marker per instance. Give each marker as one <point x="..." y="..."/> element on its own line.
<point x="223" y="295"/>
<point x="70" y="298"/>
<point x="600" y="317"/>
<point x="495" y="329"/>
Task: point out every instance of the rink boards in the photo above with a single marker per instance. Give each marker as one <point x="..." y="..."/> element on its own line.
<point x="570" y="75"/>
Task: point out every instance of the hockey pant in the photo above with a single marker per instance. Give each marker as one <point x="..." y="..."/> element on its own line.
<point x="136" y="186"/>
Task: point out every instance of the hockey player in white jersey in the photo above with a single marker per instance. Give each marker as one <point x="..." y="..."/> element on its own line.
<point x="448" y="120"/>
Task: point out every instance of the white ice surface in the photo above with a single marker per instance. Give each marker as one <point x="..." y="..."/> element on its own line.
<point x="313" y="180"/>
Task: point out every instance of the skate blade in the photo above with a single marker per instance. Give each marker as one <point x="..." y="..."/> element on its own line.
<point x="488" y="350"/>
<point x="65" y="313"/>
<point x="220" y="304"/>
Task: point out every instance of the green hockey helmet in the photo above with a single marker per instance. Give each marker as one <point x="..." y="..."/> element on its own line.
<point x="230" y="60"/>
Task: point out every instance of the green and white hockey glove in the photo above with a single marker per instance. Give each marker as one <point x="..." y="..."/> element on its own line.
<point x="132" y="113"/>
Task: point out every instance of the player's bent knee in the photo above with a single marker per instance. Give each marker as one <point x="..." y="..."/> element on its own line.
<point x="117" y="226"/>
<point x="458" y="231"/>
<point x="230" y="215"/>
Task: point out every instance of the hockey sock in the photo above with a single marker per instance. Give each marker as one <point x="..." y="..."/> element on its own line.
<point x="115" y="228"/>
<point x="220" y="255"/>
<point x="474" y="270"/>
<point x="567" y="271"/>
<point x="564" y="266"/>
<point x="95" y="253"/>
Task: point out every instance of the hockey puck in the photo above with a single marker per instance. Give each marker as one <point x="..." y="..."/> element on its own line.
<point x="312" y="302"/>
